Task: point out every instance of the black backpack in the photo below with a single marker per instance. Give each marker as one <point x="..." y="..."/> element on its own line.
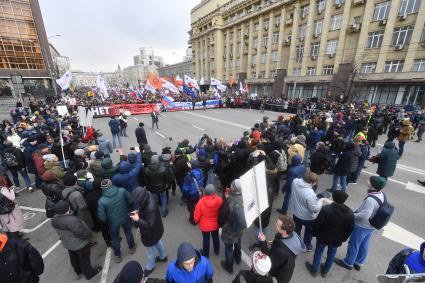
<point x="50" y="207"/>
<point x="10" y="159"/>
<point x="383" y="214"/>
<point x="6" y="205"/>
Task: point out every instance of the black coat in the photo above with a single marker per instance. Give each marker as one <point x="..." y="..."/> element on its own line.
<point x="180" y="168"/>
<point x="334" y="224"/>
<point x="156" y="178"/>
<point x="19" y="157"/>
<point x="20" y="262"/>
<point x="141" y="135"/>
<point x="319" y="162"/>
<point x="342" y="167"/>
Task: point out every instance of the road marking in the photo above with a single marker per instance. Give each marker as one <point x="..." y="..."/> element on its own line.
<point x="36" y="227"/>
<point x="216" y="112"/>
<point x="400" y="235"/>
<point x="415" y="188"/>
<point x="246" y="259"/>
<point x="389" y="179"/>
<point x="106" y="264"/>
<point x="164" y="115"/>
<point x="410" y="169"/>
<point x="51" y="249"/>
<point x="159" y="134"/>
<point x="198" y="128"/>
<point x="32" y="208"/>
<point x="28" y="215"/>
<point x="218" y="120"/>
<point x="135" y="118"/>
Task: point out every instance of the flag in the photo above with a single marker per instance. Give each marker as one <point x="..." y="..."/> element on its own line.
<point x="167" y="100"/>
<point x="215" y="82"/>
<point x="166" y="84"/>
<point x="187" y="90"/>
<point x="178" y="81"/>
<point x="101" y="85"/>
<point x="191" y="82"/>
<point x="231" y="81"/>
<point x="241" y="89"/>
<point x="65" y="81"/>
<point x="155" y="81"/>
<point x="221" y="87"/>
<point x="150" y="87"/>
<point x="202" y="81"/>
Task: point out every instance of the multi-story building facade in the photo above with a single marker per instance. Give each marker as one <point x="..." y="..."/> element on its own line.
<point x="178" y="69"/>
<point x="354" y="49"/>
<point x="84" y="79"/>
<point x="136" y="73"/>
<point x="25" y="61"/>
<point x="61" y="64"/>
<point x="147" y="57"/>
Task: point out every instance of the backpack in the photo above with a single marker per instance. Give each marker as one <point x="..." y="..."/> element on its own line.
<point x="70" y="204"/>
<point x="50" y="207"/>
<point x="281" y="164"/>
<point x="6" y="205"/>
<point x="10" y="159"/>
<point x="383" y="214"/>
<point x="237" y="217"/>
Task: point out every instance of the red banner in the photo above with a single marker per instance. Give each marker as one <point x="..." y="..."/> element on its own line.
<point x="114" y="109"/>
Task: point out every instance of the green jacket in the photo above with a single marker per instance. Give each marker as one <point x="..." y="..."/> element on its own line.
<point x="114" y="206"/>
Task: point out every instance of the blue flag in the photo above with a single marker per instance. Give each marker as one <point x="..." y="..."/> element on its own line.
<point x="188" y="91"/>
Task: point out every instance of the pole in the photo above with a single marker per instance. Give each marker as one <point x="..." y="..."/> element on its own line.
<point x="258" y="200"/>
<point x="60" y="134"/>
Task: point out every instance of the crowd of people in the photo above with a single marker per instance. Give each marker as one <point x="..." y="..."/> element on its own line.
<point x="86" y="193"/>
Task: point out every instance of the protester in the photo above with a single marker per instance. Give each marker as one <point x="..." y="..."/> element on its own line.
<point x="155" y="119"/>
<point x="132" y="272"/>
<point x="387" y="160"/>
<point x="11" y="219"/>
<point x="261" y="265"/>
<point x="406" y="133"/>
<point x="141" y="136"/>
<point x="15" y="163"/>
<point x="408" y="261"/>
<point x="342" y="167"/>
<point x="115" y="131"/>
<point x="127" y="176"/>
<point x="193" y="185"/>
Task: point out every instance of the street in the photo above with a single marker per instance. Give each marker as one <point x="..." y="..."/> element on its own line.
<point x="405" y="229"/>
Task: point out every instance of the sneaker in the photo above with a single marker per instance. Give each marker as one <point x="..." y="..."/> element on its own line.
<point x="322" y="273"/>
<point x="117" y="258"/>
<point x="30" y="189"/>
<point x="421" y="182"/>
<point x="357" y="267"/>
<point x="158" y="259"/>
<point x="341" y="263"/>
<point x="133" y="249"/>
<point x="223" y="264"/>
<point x="309" y="249"/>
<point x="147" y="272"/>
<point x="310" y="269"/>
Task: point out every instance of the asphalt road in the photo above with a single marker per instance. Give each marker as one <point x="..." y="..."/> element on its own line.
<point x="406" y="227"/>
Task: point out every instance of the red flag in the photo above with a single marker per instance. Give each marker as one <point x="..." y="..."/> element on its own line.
<point x="155" y="81"/>
<point x="231" y="81"/>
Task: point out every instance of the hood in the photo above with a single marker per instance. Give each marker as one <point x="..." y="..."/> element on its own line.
<point x="154" y="167"/>
<point x="422" y="252"/>
<point x="165" y="157"/>
<point x="140" y="195"/>
<point x="185" y="252"/>
<point x="300" y="183"/>
<point x="110" y="192"/>
<point x="107" y="163"/>
<point x="294" y="243"/>
<point x="125" y="167"/>
<point x="415" y="260"/>
<point x="211" y="200"/>
<point x="296" y="160"/>
<point x="389" y="145"/>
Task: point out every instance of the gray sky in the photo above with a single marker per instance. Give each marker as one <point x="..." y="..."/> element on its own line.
<point x="100" y="34"/>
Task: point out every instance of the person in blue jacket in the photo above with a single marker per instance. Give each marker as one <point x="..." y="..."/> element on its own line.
<point x="410" y="259"/>
<point x="127" y="176"/>
<point x="189" y="267"/>
<point x="193" y="186"/>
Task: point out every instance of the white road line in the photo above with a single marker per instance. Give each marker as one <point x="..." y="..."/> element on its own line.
<point x="51" y="249"/>
<point x="218" y="120"/>
<point x="32" y="208"/>
<point x="216" y="112"/>
<point x="389" y="179"/>
<point x="400" y="235"/>
<point x="410" y="169"/>
<point x="198" y="128"/>
<point x="246" y="258"/>
<point x="159" y="134"/>
<point x="164" y="115"/>
<point x="135" y="118"/>
<point x="415" y="188"/>
<point x="105" y="269"/>
<point x="36" y="227"/>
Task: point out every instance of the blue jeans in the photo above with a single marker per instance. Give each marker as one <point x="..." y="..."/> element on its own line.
<point x="206" y="243"/>
<point x="38" y="180"/>
<point x="115" y="137"/>
<point x="343" y="180"/>
<point x="115" y="236"/>
<point x="286" y="198"/>
<point x="308" y="231"/>
<point x="164" y="201"/>
<point x="24" y="175"/>
<point x="151" y="254"/>
<point x="350" y="136"/>
<point x="232" y="251"/>
<point x="401" y="147"/>
<point x="124" y="132"/>
<point x="320" y="248"/>
<point x="358" y="246"/>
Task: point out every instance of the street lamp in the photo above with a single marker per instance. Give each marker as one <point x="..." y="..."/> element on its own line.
<point x="52" y="36"/>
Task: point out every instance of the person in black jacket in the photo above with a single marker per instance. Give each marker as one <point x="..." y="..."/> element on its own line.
<point x="141" y="135"/>
<point x="19" y="261"/>
<point x="319" y="161"/>
<point x="342" y="167"/>
<point x="14" y="160"/>
<point x="148" y="219"/>
<point x="332" y="227"/>
<point x="284" y="250"/>
<point x="180" y="167"/>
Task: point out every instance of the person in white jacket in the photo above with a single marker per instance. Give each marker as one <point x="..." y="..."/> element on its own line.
<point x="305" y="205"/>
<point x="14" y="138"/>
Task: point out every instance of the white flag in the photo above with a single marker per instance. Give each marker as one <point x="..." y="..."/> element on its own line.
<point x="150" y="87"/>
<point x="221" y="87"/>
<point x="169" y="86"/>
<point x="215" y="82"/>
<point x="192" y="82"/>
<point x="202" y="81"/>
<point x="241" y="89"/>
<point x="65" y="81"/>
<point x="101" y="85"/>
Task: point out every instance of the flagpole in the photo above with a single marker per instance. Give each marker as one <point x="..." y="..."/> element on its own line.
<point x="258" y="200"/>
<point x="61" y="139"/>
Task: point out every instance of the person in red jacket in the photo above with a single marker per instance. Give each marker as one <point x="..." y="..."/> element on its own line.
<point x="206" y="216"/>
<point x="37" y="157"/>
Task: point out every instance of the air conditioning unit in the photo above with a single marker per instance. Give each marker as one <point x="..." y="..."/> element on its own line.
<point x="331" y="55"/>
<point x="319" y="12"/>
<point x="277" y="25"/>
<point x="266" y="28"/>
<point x="288" y="21"/>
<point x="288" y="41"/>
<point x="339" y="5"/>
<point x="315" y="35"/>
<point x="382" y="22"/>
<point x="358" y="2"/>
<point x="246" y="35"/>
<point x="402" y="17"/>
<point x="253" y="65"/>
<point x="354" y="27"/>
<point x="231" y="55"/>
<point x="313" y="57"/>
<point x="301" y="38"/>
<point x="399" y="47"/>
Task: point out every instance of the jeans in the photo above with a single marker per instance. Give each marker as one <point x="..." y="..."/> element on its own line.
<point x="206" y="243"/>
<point x="308" y="231"/>
<point x="80" y="262"/>
<point x="115" y="137"/>
<point x="164" y="201"/>
<point x="24" y="175"/>
<point x="232" y="251"/>
<point x="155" y="123"/>
<point x="358" y="246"/>
<point x="151" y="254"/>
<point x="350" y="136"/>
<point x="286" y="198"/>
<point x="355" y="175"/>
<point x="343" y="180"/>
<point x="38" y="180"/>
<point x="401" y="147"/>
<point x="124" y="132"/>
<point x="191" y="203"/>
<point x="320" y="248"/>
<point x="115" y="237"/>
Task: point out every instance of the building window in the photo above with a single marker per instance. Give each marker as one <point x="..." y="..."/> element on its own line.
<point x="255" y="42"/>
<point x="239" y="47"/>
<point x="276" y="37"/>
<point x="305" y="10"/>
<point x="274" y="56"/>
<point x="368" y="68"/>
<point x="331" y="47"/>
<point x="394" y="66"/>
<point x="422" y="40"/>
<point x="339" y="2"/>
<point x="402" y="35"/>
<point x="254" y="60"/>
<point x="409" y="6"/>
<point x="231" y="36"/>
<point x="297" y="72"/>
<point x="328" y="70"/>
<point x="374" y="39"/>
<point x="273" y="73"/>
<point x="311" y="71"/>
<point x="262" y="75"/>
<point x="336" y="22"/>
<point x="315" y="47"/>
<point x="238" y="62"/>
<point x="224" y="51"/>
<point x="239" y="33"/>
<point x="264" y="58"/>
<point x="257" y="26"/>
<point x="253" y="75"/>
<point x="265" y="40"/>
<point x="381" y="11"/>
<point x="318" y="25"/>
<point x="303" y="31"/>
<point x="419" y="65"/>
<point x="266" y="24"/>
<point x="321" y="5"/>
<point x="277" y="21"/>
<point x="299" y="51"/>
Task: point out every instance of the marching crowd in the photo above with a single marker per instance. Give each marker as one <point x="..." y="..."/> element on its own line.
<point x="86" y="193"/>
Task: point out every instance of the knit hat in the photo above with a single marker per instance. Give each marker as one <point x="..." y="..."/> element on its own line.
<point x="49" y="157"/>
<point x="339" y="196"/>
<point x="261" y="263"/>
<point x="61" y="207"/>
<point x="99" y="154"/>
<point x="79" y="152"/>
<point x="378" y="183"/>
<point x="209" y="189"/>
<point x="132" y="272"/>
<point x="236" y="187"/>
<point x="147" y="148"/>
<point x="106" y="183"/>
<point x="301" y="139"/>
<point x="69" y="180"/>
<point x="155" y="159"/>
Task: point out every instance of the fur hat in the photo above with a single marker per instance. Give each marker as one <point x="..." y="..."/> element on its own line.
<point x="209" y="190"/>
<point x="79" y="152"/>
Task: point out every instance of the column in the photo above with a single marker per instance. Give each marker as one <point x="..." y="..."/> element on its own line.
<point x="201" y="57"/>
<point x="307" y="40"/>
<point x="227" y="60"/>
<point x="269" y="43"/>
<point x="294" y="40"/>
<point x="259" y="46"/>
<point x="250" y="50"/>
<point x="281" y="39"/>
<point x="241" y="55"/>
<point x="198" y="73"/>
<point x="416" y="37"/>
<point x="345" y="22"/>
<point x="324" y="36"/>
<point x="219" y="54"/>
<point x="367" y="19"/>
<point x="235" y="42"/>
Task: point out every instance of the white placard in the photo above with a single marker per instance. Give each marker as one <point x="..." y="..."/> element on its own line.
<point x="62" y="110"/>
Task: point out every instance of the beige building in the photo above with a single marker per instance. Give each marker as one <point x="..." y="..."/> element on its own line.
<point x="361" y="50"/>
